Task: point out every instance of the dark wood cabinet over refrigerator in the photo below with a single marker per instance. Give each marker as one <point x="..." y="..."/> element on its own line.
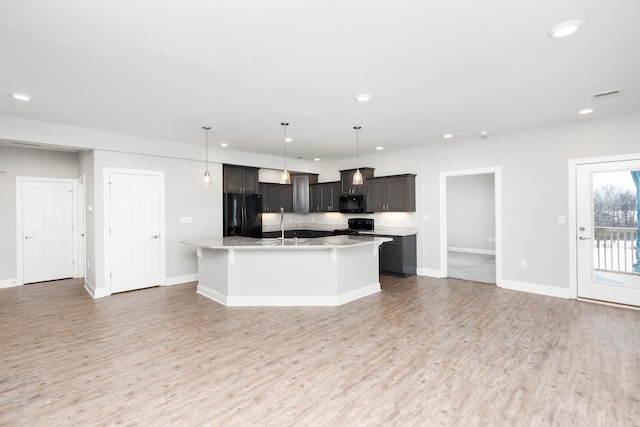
<point x="240" y="179"/>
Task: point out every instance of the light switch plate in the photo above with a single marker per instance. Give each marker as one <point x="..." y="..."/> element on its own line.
<point x="186" y="220"/>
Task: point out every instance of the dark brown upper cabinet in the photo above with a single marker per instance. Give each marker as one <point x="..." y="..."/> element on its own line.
<point x="240" y="179"/>
<point x="276" y="196"/>
<point x="346" y="178"/>
<point x="395" y="193"/>
<point x="325" y="197"/>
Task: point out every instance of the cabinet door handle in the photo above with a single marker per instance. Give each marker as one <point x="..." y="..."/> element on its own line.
<point x="155" y="236"/>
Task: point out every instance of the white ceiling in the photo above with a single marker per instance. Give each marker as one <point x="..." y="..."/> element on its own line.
<point x="162" y="69"/>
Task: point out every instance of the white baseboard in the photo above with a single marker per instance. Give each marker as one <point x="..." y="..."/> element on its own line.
<point x="211" y="294"/>
<point x="534" y="288"/>
<point x="288" y="301"/>
<point x="429" y="273"/>
<point x="8" y="283"/>
<point x="473" y="251"/>
<point x="178" y="280"/>
<point x="95" y="293"/>
<point x="358" y="293"/>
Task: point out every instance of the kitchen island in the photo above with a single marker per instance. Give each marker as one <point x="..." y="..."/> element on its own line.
<point x="325" y="271"/>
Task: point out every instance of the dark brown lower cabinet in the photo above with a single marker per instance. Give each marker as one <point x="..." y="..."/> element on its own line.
<point x="398" y="258"/>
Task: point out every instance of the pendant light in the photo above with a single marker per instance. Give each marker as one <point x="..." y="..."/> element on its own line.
<point x="207" y="175"/>
<point x="357" y="177"/>
<point x="285" y="178"/>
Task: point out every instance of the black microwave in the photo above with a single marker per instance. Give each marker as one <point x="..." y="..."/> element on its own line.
<point x="353" y="203"/>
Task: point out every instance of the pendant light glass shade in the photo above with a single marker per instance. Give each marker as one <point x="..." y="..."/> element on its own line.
<point x="357" y="176"/>
<point x="207" y="175"/>
<point x="285" y="178"/>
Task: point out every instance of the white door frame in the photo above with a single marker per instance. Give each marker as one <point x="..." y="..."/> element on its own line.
<point x="573" y="211"/>
<point x="497" y="187"/>
<point x="107" y="221"/>
<point x="81" y="229"/>
<point x="19" y="239"/>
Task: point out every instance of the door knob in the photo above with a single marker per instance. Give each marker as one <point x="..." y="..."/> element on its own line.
<point x="584" y="238"/>
<point x="29" y="237"/>
<point x="155" y="236"/>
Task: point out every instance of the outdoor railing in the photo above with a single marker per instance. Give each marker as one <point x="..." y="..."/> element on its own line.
<point x="615" y="249"/>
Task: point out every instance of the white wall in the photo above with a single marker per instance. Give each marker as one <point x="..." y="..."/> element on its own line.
<point x="533" y="164"/>
<point x="471" y="212"/>
<point x="185" y="195"/>
<point x="28" y="162"/>
<point x="534" y="169"/>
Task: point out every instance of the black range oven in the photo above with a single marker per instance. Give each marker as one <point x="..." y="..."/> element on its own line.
<point x="356" y="225"/>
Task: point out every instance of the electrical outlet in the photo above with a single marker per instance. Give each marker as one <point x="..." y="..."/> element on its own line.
<point x="523" y="263"/>
<point x="561" y="219"/>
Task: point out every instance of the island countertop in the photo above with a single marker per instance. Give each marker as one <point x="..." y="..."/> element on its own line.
<point x="322" y="271"/>
<point x="330" y="242"/>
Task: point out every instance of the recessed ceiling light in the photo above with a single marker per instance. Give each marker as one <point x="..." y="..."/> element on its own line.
<point x="565" y="29"/>
<point x="288" y="139"/>
<point x="224" y="144"/>
<point x="585" y="111"/>
<point x="317" y="159"/>
<point x="484" y="134"/>
<point x="447" y="136"/>
<point x="363" y="97"/>
<point x="380" y="148"/>
<point x="20" y="96"/>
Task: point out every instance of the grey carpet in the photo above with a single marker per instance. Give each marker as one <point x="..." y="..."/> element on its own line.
<point x="474" y="267"/>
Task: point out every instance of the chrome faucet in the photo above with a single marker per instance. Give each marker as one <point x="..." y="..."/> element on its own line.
<point x="282" y="223"/>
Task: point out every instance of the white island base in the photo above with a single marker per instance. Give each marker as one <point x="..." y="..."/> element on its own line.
<point x="262" y="272"/>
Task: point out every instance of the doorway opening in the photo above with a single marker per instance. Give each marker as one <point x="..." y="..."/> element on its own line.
<point x="470" y="237"/>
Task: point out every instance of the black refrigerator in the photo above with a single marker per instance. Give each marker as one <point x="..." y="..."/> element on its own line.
<point x="242" y="215"/>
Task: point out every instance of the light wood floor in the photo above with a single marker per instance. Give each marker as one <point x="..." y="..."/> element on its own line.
<point x="422" y="352"/>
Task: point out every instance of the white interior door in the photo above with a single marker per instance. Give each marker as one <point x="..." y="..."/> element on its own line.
<point x="606" y="232"/>
<point x="47" y="231"/>
<point x="134" y="231"/>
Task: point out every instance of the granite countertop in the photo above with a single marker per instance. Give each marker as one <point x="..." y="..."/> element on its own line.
<point x="331" y="242"/>
<point x="391" y="231"/>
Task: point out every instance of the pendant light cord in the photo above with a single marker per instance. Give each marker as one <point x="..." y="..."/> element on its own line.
<point x="206" y="144"/>
<point x="357" y="128"/>
<point x="284" y="142"/>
